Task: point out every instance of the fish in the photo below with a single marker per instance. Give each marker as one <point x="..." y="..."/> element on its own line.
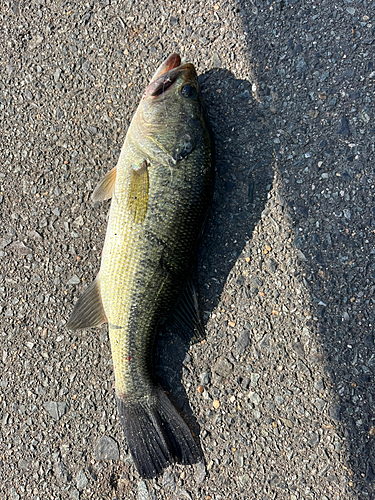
<point x="161" y="192"/>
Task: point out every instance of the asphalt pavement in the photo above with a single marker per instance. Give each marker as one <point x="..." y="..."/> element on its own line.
<point x="281" y="392"/>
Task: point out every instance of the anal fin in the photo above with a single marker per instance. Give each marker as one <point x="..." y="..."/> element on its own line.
<point x="186" y="316"/>
<point x="104" y="190"/>
<point x="88" y="311"/>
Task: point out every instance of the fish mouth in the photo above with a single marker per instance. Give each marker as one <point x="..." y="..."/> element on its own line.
<point x="167" y="74"/>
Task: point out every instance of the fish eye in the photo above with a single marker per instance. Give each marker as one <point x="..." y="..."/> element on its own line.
<point x="188" y="91"/>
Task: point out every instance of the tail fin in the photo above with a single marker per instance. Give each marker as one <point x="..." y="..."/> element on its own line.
<point x="156" y="433"/>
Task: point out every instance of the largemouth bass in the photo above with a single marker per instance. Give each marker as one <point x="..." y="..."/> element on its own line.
<point x="161" y="191"/>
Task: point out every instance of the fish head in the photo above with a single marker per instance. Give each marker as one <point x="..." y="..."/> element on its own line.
<point x="172" y="93"/>
<point x="171" y="109"/>
<point x="170" y="79"/>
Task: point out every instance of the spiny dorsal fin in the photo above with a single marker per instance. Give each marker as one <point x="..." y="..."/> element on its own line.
<point x="138" y="192"/>
<point x="88" y="311"/>
<point x="104" y="190"/>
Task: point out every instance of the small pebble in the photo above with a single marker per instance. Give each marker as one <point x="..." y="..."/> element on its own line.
<point x="334" y="411"/>
<point x="223" y="367"/>
<point x="74" y="280"/>
<point x="107" y="449"/>
<point x="81" y="481"/>
<point x="74" y="493"/>
<point x="243" y="342"/>
<point x="255" y="398"/>
<point x="216" y="61"/>
<point x="204" y="378"/>
<point x="56" y="409"/>
<point x="200" y="473"/>
<point x="279" y="400"/>
<point x="254" y="378"/>
<point x="343" y="128"/>
<point x="13" y="494"/>
<point x="21" y="248"/>
<point x="62" y="472"/>
<point x="142" y="491"/>
<point x="169" y="481"/>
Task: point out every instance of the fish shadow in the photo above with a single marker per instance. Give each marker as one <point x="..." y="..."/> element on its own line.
<point x="244" y="174"/>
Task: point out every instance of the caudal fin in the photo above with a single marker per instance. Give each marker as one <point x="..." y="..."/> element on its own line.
<point x="156" y="433"/>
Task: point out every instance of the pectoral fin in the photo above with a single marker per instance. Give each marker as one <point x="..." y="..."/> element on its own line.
<point x="88" y="311"/>
<point x="104" y="190"/>
<point x="186" y="316"/>
<point x="138" y="192"/>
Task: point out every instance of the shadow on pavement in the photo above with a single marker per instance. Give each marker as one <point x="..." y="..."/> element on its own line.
<point x="326" y="179"/>
<point x="243" y="178"/>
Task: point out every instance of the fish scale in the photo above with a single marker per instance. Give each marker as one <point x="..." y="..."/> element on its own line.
<point x="161" y="191"/>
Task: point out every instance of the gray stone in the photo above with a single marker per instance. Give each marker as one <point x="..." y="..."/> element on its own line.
<point x="239" y="458"/>
<point x="5" y="242"/>
<point x="343" y="128"/>
<point x="334" y="411"/>
<point x="13" y="494"/>
<point x="34" y="235"/>
<point x="303" y="368"/>
<point x="86" y="66"/>
<point x="169" y="481"/>
<point x="216" y="61"/>
<point x="200" y="473"/>
<point x="142" y="491"/>
<point x="254" y="379"/>
<point x="23" y="464"/>
<point x="204" y="378"/>
<point x="255" y="398"/>
<point x="243" y="342"/>
<point x="74" y="493"/>
<point x="62" y="472"/>
<point x="244" y="479"/>
<point x="57" y="74"/>
<point x="301" y="65"/>
<point x="20" y="248"/>
<point x="74" y="280"/>
<point x="10" y="69"/>
<point x="314" y="439"/>
<point x="223" y="367"/>
<point x="81" y="480"/>
<point x="107" y="449"/>
<point x="279" y="400"/>
<point x="319" y="385"/>
<point x="35" y="41"/>
<point x="56" y="408"/>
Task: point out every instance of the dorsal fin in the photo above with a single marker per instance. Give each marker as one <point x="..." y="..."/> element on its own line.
<point x="88" y="311"/>
<point x="106" y="186"/>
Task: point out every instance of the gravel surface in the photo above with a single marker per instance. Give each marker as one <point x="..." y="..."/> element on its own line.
<point x="281" y="392"/>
